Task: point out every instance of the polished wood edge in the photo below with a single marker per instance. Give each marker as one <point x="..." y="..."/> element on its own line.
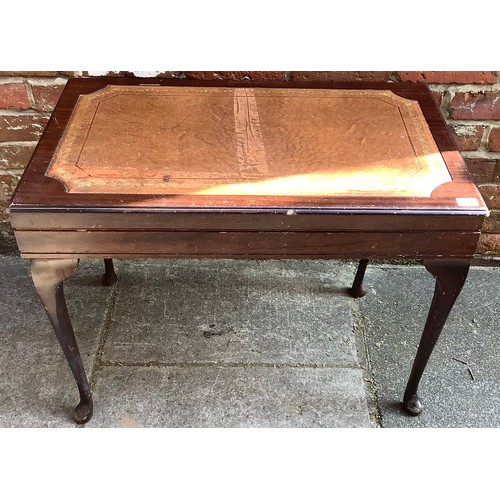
<point x="100" y="82"/>
<point x="264" y="210"/>
<point x="127" y="256"/>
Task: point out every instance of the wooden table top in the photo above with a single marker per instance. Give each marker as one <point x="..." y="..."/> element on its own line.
<point x="245" y="141"/>
<point x="153" y="145"/>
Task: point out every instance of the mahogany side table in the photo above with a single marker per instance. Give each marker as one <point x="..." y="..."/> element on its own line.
<point x="136" y="168"/>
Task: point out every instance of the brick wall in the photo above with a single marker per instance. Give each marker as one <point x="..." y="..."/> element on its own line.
<point x="469" y="102"/>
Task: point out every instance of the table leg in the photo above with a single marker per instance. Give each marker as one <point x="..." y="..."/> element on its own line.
<point x="358" y="290"/>
<point x="109" y="277"/>
<point x="48" y="276"/>
<point x="450" y="277"/>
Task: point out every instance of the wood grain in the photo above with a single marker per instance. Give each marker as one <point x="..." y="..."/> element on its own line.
<point x="114" y="244"/>
<point x="288" y="220"/>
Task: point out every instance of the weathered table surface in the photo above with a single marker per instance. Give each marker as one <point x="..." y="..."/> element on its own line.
<point x="134" y="168"/>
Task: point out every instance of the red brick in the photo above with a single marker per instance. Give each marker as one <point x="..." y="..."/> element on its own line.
<point x="38" y="74"/>
<point x="480" y="170"/>
<point x="14" y="96"/>
<point x="492" y="222"/>
<point x="475" y="106"/>
<point x="496" y="172"/>
<point x="340" y="76"/>
<point x="491" y="195"/>
<point x="467" y="137"/>
<point x="21" y="128"/>
<point x="494" y="139"/>
<point x="489" y="244"/>
<point x="235" y="75"/>
<point x="12" y="157"/>
<point x="69" y="73"/>
<point x="46" y="97"/>
<point x="462" y="77"/>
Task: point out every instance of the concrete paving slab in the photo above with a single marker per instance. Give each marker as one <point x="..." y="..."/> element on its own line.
<point x="36" y="386"/>
<point x="8" y="245"/>
<point x="394" y="313"/>
<point x="232" y="311"/>
<point x="229" y="397"/>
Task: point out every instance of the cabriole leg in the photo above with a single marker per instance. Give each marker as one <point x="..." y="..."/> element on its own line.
<point x="109" y="277"/>
<point x="48" y="276"/>
<point x="358" y="290"/>
<point x="450" y="277"/>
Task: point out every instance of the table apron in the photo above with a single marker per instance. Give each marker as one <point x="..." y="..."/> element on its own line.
<point x="235" y="244"/>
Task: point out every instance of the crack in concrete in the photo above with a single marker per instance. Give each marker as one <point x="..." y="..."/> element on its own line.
<point x="223" y="364"/>
<point x="98" y="362"/>
<point x="359" y="331"/>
